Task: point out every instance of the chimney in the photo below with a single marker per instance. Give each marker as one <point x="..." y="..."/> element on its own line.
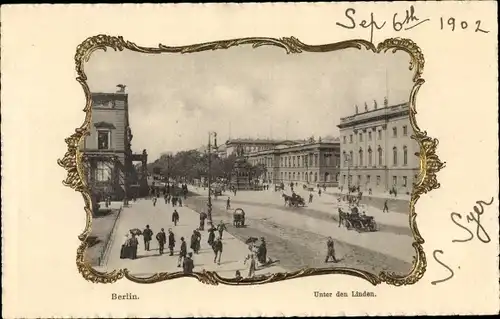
<point x="121" y="88"/>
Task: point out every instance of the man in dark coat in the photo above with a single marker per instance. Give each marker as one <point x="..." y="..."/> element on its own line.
<point x="217" y="247"/>
<point x="228" y="203"/>
<point x="161" y="237"/>
<point x="262" y="251"/>
<point x="148" y="235"/>
<point x="182" y="252"/>
<point x="203" y="216"/>
<point x="221" y="228"/>
<point x="211" y="236"/>
<point x="386" y="208"/>
<point x="188" y="264"/>
<point x="171" y="242"/>
<point x="330" y="250"/>
<point x="194" y="241"/>
<point x="175" y="217"/>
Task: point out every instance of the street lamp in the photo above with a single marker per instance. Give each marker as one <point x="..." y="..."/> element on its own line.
<point x="348" y="161"/>
<point x="209" y="204"/>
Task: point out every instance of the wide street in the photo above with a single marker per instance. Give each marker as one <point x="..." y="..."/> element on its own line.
<point x="297" y="236"/>
<point x="142" y="212"/>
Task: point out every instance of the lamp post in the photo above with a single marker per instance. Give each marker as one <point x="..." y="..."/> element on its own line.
<point x="209" y="204"/>
<point x="348" y="161"/>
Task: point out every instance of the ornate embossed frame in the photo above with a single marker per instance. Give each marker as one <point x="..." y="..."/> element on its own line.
<point x="426" y="181"/>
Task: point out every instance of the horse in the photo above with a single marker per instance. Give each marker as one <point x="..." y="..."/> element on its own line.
<point x="342" y="216"/>
<point x="287" y="199"/>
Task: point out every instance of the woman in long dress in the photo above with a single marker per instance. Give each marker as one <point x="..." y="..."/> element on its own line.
<point x="125" y="250"/>
<point x="251" y="261"/>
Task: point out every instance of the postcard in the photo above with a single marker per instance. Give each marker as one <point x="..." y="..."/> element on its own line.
<point x="250" y="159"/>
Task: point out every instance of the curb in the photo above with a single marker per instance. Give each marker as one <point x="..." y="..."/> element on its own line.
<point x="103" y="259"/>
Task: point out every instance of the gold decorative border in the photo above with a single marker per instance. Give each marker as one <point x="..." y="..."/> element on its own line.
<point x="426" y="181"/>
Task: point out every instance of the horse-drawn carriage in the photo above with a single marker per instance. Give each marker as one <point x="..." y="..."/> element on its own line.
<point x="357" y="221"/>
<point x="294" y="200"/>
<point x="239" y="218"/>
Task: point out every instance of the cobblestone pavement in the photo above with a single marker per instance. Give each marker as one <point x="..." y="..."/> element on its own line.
<point x="298" y="247"/>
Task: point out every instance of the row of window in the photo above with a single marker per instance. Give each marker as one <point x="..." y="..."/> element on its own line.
<point x="349" y="158"/>
<point x="379" y="135"/>
<point x="300" y="161"/>
<point x="307" y="177"/>
<point x="404" y="180"/>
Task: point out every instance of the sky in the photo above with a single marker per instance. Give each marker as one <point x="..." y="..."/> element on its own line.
<point x="244" y="92"/>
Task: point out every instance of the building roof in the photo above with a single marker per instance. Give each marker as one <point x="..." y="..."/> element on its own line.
<point x="260" y="141"/>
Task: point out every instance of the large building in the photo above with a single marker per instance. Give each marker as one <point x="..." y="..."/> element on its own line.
<point x="250" y="145"/>
<point x="377" y="151"/>
<point x="107" y="152"/>
<point x="312" y="161"/>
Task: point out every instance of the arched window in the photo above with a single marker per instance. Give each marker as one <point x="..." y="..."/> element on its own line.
<point x="370" y="156"/>
<point x="351" y="159"/>
<point x="395" y="155"/>
<point x="380" y="156"/>
<point x="316" y="177"/>
<point x="360" y="157"/>
<point x="405" y="155"/>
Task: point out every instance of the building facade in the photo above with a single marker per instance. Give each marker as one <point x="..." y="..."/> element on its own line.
<point x="377" y="151"/>
<point x="107" y="153"/>
<point x="255" y="145"/>
<point x="316" y="162"/>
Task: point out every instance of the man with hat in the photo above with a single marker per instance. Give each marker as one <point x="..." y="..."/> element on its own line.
<point x="171" y="241"/>
<point x="262" y="251"/>
<point x="182" y="252"/>
<point x="147" y="234"/>
<point x="161" y="237"/>
<point x="330" y="250"/>
<point x="188" y="264"/>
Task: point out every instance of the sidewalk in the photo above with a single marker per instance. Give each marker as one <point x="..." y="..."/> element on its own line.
<point x="150" y="262"/>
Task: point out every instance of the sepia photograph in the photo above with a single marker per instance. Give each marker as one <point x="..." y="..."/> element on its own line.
<point x="250" y="161"/>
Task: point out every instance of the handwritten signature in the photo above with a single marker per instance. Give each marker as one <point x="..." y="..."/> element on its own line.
<point x="409" y="21"/>
<point x="473" y="217"/>
<point x="481" y="234"/>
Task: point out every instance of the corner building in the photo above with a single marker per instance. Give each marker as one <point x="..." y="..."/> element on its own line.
<point x="107" y="154"/>
<point x="377" y="150"/>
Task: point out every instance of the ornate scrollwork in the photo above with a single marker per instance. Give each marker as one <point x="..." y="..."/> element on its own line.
<point x="427" y="180"/>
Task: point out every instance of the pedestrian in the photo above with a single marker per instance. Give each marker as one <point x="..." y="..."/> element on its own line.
<point x="125" y="250"/>
<point x="182" y="252"/>
<point x="221" y="228"/>
<point x="228" y="203"/>
<point x="198" y="241"/>
<point x="237" y="275"/>
<point x="154" y="201"/>
<point x="133" y="243"/>
<point x="171" y="242"/>
<point x="175" y="217"/>
<point x="330" y="250"/>
<point x="147" y="234"/>
<point x="217" y="247"/>
<point x="161" y="237"/>
<point x="194" y="240"/>
<point x="166" y="198"/>
<point x="203" y="216"/>
<point x="310" y="197"/>
<point x="211" y="236"/>
<point x="262" y="252"/>
<point x="188" y="264"/>
<point x="180" y="201"/>
<point x="319" y="192"/>
<point x="250" y="258"/>
<point x="386" y="208"/>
